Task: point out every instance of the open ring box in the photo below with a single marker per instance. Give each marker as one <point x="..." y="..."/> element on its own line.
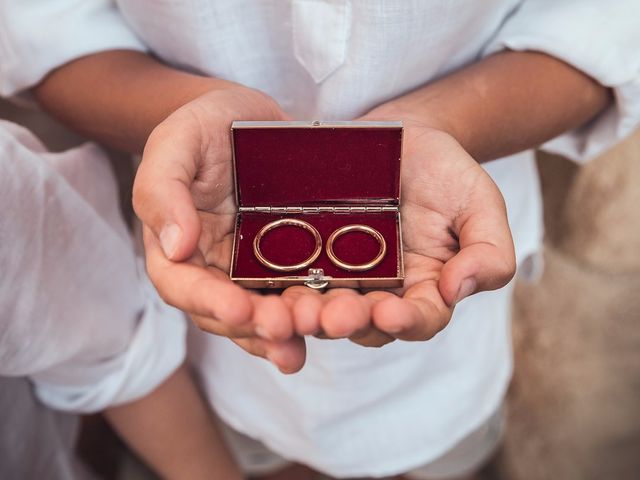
<point x="329" y="175"/>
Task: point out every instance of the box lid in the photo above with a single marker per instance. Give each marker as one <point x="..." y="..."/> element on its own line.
<point x="316" y="163"/>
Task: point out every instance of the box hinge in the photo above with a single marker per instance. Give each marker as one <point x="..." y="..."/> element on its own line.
<point x="337" y="209"/>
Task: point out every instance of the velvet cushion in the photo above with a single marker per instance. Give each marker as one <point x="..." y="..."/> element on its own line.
<point x="288" y="245"/>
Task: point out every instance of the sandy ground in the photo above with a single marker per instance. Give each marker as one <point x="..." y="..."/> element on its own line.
<point x="574" y="404"/>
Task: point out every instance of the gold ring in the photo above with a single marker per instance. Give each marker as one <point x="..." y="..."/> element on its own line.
<point x="356" y="228"/>
<point x="280" y="223"/>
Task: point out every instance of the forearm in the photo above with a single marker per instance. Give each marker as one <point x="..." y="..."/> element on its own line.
<point x="118" y="97"/>
<point x="506" y="103"/>
<point x="173" y="430"/>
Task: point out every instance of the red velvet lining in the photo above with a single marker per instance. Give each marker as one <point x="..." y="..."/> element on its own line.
<point x="295" y="166"/>
<point x="289" y="245"/>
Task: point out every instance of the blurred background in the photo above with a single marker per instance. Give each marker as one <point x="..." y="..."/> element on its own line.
<point x="574" y="403"/>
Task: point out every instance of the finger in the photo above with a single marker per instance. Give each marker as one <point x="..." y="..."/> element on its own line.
<point x="195" y="289"/>
<point x="305" y="305"/>
<point x="161" y="191"/>
<point x="306" y="313"/>
<point x="486" y="260"/>
<point x="375" y="296"/>
<point x="272" y="318"/>
<point x="414" y="317"/>
<point x="216" y="327"/>
<point x="371" y="337"/>
<point x="345" y="312"/>
<point x="252" y="345"/>
<point x="288" y="356"/>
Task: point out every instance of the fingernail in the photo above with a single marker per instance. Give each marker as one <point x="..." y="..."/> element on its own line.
<point x="467" y="287"/>
<point x="262" y="332"/>
<point x="170" y="238"/>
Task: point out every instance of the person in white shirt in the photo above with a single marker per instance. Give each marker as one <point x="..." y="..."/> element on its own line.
<point x="82" y="326"/>
<point x="473" y="82"/>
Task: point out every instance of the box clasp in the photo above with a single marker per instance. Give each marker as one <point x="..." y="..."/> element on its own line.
<point x="317" y="279"/>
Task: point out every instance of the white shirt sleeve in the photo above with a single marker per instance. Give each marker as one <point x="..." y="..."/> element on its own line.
<point x="79" y="316"/>
<point x="37" y="36"/>
<point x="600" y="38"/>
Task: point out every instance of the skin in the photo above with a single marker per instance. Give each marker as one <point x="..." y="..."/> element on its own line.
<point x="456" y="235"/>
<point x="175" y="410"/>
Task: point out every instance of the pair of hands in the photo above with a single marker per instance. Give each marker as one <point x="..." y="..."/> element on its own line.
<point x="456" y="238"/>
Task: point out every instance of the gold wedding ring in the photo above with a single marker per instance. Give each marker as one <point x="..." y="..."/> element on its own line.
<point x="356" y="228"/>
<point x="281" y="223"/>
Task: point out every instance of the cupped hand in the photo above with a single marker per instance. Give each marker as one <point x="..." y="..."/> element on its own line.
<point x="183" y="193"/>
<point x="456" y="242"/>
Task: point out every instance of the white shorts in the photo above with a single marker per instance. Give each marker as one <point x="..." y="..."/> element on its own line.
<point x="464" y="458"/>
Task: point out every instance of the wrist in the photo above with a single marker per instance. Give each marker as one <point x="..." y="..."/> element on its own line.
<point x="422" y="115"/>
<point x="217" y="105"/>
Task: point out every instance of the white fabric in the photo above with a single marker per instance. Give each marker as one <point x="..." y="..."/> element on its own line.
<point x="597" y="37"/>
<point x="79" y="317"/>
<point x="354" y="411"/>
<point x="36" y="37"/>
<point x="255" y="459"/>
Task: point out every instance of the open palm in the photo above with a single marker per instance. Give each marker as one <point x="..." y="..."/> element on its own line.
<point x="456" y="241"/>
<point x="455" y="233"/>
<point x="184" y="195"/>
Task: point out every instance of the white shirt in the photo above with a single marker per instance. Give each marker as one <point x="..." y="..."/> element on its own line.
<point x="79" y="316"/>
<point x="355" y="411"/>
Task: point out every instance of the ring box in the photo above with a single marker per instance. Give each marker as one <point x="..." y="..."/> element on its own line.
<point x="329" y="174"/>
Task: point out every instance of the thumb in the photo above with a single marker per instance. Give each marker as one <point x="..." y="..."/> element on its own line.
<point x="161" y="192"/>
<point x="486" y="260"/>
